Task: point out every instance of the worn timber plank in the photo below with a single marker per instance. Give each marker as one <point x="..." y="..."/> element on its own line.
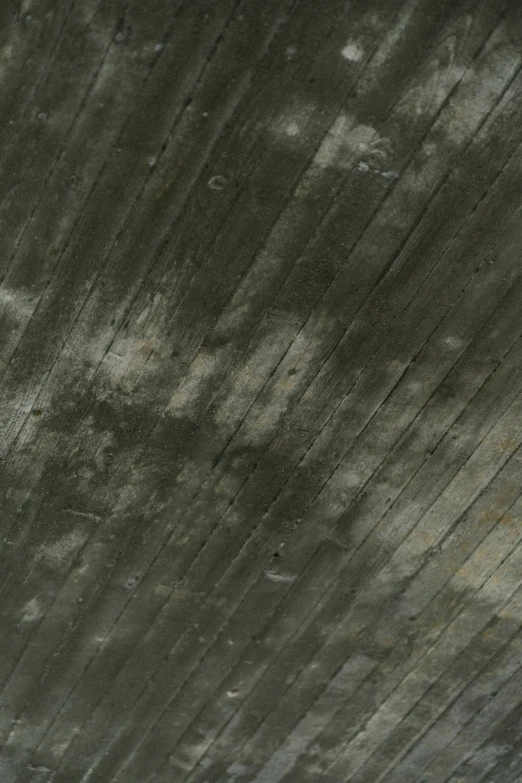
<point x="260" y="391"/>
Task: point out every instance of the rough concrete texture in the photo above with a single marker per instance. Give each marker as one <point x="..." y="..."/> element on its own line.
<point x="261" y="391"/>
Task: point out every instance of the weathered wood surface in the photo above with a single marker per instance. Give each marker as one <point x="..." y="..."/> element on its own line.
<point x="261" y="391"/>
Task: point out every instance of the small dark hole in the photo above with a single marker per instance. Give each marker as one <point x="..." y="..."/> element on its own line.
<point x="276" y="554"/>
<point x="37" y="412"/>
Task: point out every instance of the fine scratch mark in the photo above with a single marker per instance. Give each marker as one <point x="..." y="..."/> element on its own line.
<point x="37" y="769"/>
<point x="86" y="514"/>
<point x="275" y="577"/>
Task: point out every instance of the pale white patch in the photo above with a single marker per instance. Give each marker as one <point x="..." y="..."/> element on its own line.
<point x="292" y="129"/>
<point x="232" y="318"/>
<point x="394" y="34"/>
<point x="425" y="97"/>
<point x="245" y="380"/>
<point x="290" y="124"/>
<point x="345" y="143"/>
<point x="163" y="590"/>
<point x="272" y="405"/>
<point x="414" y="387"/>
<point x="58" y="553"/>
<point x="396" y="366"/>
<point x="60" y="749"/>
<point x="15" y="304"/>
<point x="453" y="343"/>
<point x="352" y="51"/>
<point x="184" y="401"/>
<point x="236" y="768"/>
<point x="389" y="174"/>
<point x="122" y="364"/>
<point x="11" y="47"/>
<point x="32" y="611"/>
<point x="347" y="477"/>
<point x="6" y="52"/>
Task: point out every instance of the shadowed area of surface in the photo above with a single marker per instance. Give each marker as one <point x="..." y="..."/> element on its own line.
<point x="261" y="391"/>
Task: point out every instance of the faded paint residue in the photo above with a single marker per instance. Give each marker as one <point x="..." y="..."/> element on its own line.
<point x="249" y="378"/>
<point x="310" y="727"/>
<point x="274" y="402"/>
<point x="58" y="554"/>
<point x="394" y="35"/>
<point x="123" y="365"/>
<point x="136" y="345"/>
<point x="294" y="474"/>
<point x="265" y="267"/>
<point x="346" y="142"/>
<point x="184" y="401"/>
<point x="15" y="305"/>
<point x="424" y="98"/>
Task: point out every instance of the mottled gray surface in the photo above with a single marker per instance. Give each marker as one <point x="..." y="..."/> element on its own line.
<point x="261" y="391"/>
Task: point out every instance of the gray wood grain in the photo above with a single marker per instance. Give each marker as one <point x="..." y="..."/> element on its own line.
<point x="260" y="391"/>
